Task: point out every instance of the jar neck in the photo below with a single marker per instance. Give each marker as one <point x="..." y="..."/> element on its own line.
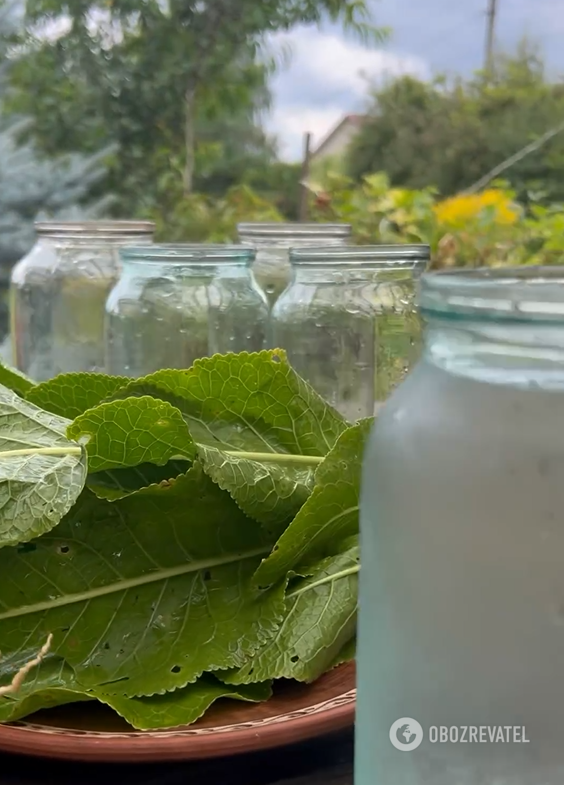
<point x="135" y="268"/>
<point x="519" y="355"/>
<point x="352" y="273"/>
<point x="100" y="240"/>
<point x="95" y="233"/>
<point x="500" y="325"/>
<point x="293" y="235"/>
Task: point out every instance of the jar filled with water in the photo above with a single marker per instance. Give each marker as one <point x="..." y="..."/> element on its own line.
<point x="176" y="303"/>
<point x="58" y="293"/>
<point x="273" y="242"/>
<point x="462" y="544"/>
<point x="348" y="322"/>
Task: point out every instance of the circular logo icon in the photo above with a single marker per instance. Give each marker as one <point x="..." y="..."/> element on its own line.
<point x="406" y="734"/>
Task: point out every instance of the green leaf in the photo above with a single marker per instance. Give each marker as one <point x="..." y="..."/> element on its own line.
<point x="271" y="427"/>
<point x="347" y="653"/>
<point x="119" y="483"/>
<point x="41" y="472"/>
<point x="131" y="432"/>
<point x="320" y="619"/>
<point x="184" y="706"/>
<point x="15" y="380"/>
<point x="146" y="592"/>
<point x="71" y="394"/>
<point x="50" y="684"/>
<point x="269" y="493"/>
<point x="329" y="516"/>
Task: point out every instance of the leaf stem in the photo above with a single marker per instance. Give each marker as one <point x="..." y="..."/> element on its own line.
<point x="276" y="457"/>
<point x="42" y="451"/>
<point x="327" y="579"/>
<point x="131" y="583"/>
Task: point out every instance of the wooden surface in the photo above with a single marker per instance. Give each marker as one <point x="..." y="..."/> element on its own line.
<point x="325" y="761"/>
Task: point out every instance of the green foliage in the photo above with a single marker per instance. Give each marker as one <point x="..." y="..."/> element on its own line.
<point x="41" y="471"/>
<point x="451" y="134"/>
<point x="150" y="599"/>
<point x="15" y="380"/>
<point x="328" y="516"/>
<point x="71" y="394"/>
<point x="489" y="228"/>
<point x="125" y="433"/>
<point x="320" y="620"/>
<point x="177" y="87"/>
<point x="120" y="574"/>
<point x="181" y="707"/>
<point x="201" y="218"/>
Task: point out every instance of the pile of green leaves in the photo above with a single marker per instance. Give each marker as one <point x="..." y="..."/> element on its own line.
<point x="183" y="537"/>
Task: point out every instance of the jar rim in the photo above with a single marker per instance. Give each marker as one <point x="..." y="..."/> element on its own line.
<point x="518" y="294"/>
<point x="380" y="256"/>
<point x="187" y="253"/>
<point x="93" y="229"/>
<point x="293" y="230"/>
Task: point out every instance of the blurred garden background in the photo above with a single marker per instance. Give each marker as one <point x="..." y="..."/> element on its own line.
<point x="150" y="109"/>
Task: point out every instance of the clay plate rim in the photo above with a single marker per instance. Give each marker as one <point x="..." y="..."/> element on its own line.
<point x="296" y="714"/>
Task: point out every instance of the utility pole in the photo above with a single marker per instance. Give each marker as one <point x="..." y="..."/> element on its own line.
<point x="303" y="208"/>
<point x="490" y="36"/>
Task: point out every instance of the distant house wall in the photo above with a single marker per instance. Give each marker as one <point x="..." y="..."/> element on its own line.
<point x="337" y="141"/>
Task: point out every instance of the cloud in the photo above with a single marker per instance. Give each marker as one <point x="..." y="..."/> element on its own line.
<point x="328" y="76"/>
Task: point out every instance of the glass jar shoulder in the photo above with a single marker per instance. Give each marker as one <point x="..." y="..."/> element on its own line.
<point x="127" y="289"/>
<point x="323" y="296"/>
<point x="239" y="286"/>
<point x="39" y="262"/>
<point x="191" y="289"/>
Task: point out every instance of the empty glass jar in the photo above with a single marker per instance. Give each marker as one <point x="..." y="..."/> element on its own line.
<point x="273" y="242"/>
<point x="461" y="634"/>
<point x="348" y="323"/>
<point x="176" y="303"/>
<point x="58" y="293"/>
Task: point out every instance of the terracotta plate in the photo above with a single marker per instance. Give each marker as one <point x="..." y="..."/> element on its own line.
<point x="91" y="732"/>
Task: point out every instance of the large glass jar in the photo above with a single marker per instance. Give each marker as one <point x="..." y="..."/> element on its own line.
<point x="348" y="322"/>
<point x="58" y="292"/>
<point x="273" y="242"/>
<point x="176" y="303"/>
<point x="461" y="636"/>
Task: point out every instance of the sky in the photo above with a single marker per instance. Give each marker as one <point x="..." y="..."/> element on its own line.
<point x="329" y="75"/>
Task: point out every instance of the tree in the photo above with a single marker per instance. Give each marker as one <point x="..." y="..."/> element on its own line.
<point x="156" y="77"/>
<point x="451" y="134"/>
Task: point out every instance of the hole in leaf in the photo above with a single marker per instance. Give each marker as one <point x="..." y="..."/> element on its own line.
<point x="65" y="629"/>
<point x="106" y="646"/>
<point x="275" y="358"/>
<point x="295" y="658"/>
<point x="276" y="547"/>
<point x="175" y="669"/>
<point x="207" y="575"/>
<point x="63" y="549"/>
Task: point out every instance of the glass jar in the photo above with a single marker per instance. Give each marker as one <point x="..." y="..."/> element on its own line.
<point x="176" y="303"/>
<point x="58" y="292"/>
<point x="273" y="242"/>
<point x="462" y="544"/>
<point x="348" y="322"/>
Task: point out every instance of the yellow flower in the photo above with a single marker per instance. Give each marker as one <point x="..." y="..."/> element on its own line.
<point x="465" y="208"/>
